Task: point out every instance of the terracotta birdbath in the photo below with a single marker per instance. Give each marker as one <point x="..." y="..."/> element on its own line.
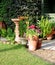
<point x="16" y="21"/>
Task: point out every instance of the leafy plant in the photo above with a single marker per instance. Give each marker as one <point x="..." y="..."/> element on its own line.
<point x="22" y="28"/>
<point x="53" y="24"/>
<point x="45" y="26"/>
<point x="31" y="32"/>
<point x="13" y="8"/>
<point x="1" y="19"/>
<point x="3" y="32"/>
<point x="10" y="33"/>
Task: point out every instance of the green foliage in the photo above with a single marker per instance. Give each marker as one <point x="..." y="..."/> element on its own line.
<point x="10" y="33"/>
<point x="1" y="19"/>
<point x="53" y="24"/>
<point x="0" y="32"/>
<point x="3" y="11"/>
<point x="31" y="32"/>
<point x="45" y="26"/>
<point x="22" y="28"/>
<point x="14" y="8"/>
<point x="3" y="32"/>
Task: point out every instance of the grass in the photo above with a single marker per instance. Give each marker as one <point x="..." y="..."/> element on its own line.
<point x="18" y="55"/>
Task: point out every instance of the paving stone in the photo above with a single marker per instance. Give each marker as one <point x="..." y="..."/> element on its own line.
<point x="49" y="45"/>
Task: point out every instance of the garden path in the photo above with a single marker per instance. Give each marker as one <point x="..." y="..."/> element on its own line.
<point x="47" y="51"/>
<point x="3" y="39"/>
<point x="48" y="44"/>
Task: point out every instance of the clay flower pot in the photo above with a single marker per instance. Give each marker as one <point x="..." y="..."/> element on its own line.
<point x="32" y="43"/>
<point x="33" y="37"/>
<point x="39" y="43"/>
<point x="49" y="36"/>
<point x="2" y="25"/>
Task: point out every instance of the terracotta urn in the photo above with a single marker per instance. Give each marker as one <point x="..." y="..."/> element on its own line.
<point x="39" y="43"/>
<point x="49" y="36"/>
<point x="2" y="25"/>
<point x="32" y="43"/>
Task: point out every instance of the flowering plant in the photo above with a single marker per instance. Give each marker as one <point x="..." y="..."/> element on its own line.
<point x="32" y="27"/>
<point x="33" y="31"/>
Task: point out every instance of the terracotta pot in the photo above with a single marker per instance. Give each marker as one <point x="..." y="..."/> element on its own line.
<point x="53" y="29"/>
<point x="2" y="25"/>
<point x="32" y="43"/>
<point x="49" y="38"/>
<point x="39" y="44"/>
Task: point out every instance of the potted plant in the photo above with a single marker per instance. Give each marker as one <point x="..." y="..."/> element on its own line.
<point x="45" y="26"/>
<point x="49" y="36"/>
<point x="39" y="43"/>
<point x="53" y="25"/>
<point x="32" y="35"/>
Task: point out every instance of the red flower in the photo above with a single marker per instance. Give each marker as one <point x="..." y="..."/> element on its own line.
<point x="38" y="31"/>
<point x="32" y="27"/>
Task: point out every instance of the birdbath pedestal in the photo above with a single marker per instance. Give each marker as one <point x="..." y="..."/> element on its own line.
<point x="16" y="21"/>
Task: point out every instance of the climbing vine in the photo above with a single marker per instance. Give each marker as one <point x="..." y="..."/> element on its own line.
<point x="14" y="8"/>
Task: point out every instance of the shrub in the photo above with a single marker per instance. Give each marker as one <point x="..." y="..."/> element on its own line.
<point x="22" y="28"/>
<point x="10" y="33"/>
<point x="3" y="32"/>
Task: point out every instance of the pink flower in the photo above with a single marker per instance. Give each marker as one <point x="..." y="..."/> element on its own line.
<point x="38" y="31"/>
<point x="32" y="27"/>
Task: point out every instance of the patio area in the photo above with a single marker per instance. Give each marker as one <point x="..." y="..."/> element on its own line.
<point x="48" y="44"/>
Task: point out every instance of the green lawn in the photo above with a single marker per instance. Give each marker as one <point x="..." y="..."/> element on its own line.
<point x="18" y="55"/>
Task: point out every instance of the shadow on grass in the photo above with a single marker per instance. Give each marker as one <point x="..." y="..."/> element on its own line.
<point x="12" y="48"/>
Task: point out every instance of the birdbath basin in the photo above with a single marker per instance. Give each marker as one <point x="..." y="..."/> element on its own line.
<point x="15" y="20"/>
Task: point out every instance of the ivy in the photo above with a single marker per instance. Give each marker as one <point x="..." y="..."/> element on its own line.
<point x="14" y="8"/>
